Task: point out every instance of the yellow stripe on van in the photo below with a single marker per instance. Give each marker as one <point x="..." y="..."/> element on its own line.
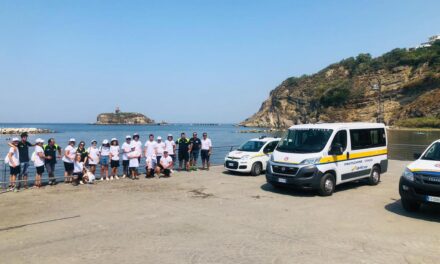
<point x="328" y="159"/>
<point x="368" y="153"/>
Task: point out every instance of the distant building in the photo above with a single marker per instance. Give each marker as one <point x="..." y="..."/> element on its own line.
<point x="431" y="40"/>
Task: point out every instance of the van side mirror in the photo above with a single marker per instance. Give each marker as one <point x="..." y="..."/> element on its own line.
<point x="417" y="155"/>
<point x="336" y="150"/>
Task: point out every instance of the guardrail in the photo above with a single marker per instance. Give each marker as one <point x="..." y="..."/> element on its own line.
<point x="395" y="151"/>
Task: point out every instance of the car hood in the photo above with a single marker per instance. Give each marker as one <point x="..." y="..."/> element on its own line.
<point x="293" y="158"/>
<point x="237" y="154"/>
<point x="425" y="166"/>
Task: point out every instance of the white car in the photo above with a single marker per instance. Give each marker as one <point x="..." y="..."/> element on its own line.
<point x="420" y="181"/>
<point x="252" y="156"/>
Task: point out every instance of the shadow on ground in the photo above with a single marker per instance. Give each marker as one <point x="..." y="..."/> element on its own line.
<point x="427" y="212"/>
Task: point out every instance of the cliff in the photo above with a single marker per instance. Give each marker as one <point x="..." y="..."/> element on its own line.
<point x="122" y="118"/>
<point x="406" y="81"/>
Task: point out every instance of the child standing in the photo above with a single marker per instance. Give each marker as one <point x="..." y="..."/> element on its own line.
<point x="126" y="148"/>
<point x="134" y="164"/>
<point x="38" y="158"/>
<point x="114" y="156"/>
<point x="13" y="158"/>
<point x="104" y="152"/>
<point x="93" y="157"/>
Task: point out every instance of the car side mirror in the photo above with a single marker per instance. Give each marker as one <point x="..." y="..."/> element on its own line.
<point x="336" y="149"/>
<point x="417" y="155"/>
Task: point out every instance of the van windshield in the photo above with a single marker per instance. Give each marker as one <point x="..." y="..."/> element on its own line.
<point x="305" y="140"/>
<point x="251" y="146"/>
<point x="433" y="153"/>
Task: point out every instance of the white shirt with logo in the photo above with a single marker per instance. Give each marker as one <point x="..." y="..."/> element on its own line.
<point x="114" y="150"/>
<point x="169" y="146"/>
<point x="206" y="144"/>
<point x="72" y="153"/>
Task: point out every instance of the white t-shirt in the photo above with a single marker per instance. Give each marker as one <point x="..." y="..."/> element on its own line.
<point x="206" y="144"/>
<point x="126" y="148"/>
<point x="137" y="145"/>
<point x="150" y="148"/>
<point x="114" y="150"/>
<point x="105" y="151"/>
<point x="15" y="157"/>
<point x="134" y="161"/>
<point x="169" y="146"/>
<point x="38" y="162"/>
<point x="160" y="148"/>
<point x="94" y="154"/>
<point x="78" y="167"/>
<point x="72" y="153"/>
<point x="165" y="162"/>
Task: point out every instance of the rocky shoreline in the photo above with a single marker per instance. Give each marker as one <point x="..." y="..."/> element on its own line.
<point x="29" y="130"/>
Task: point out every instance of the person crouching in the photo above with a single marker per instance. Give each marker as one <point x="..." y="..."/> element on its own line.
<point x="78" y="170"/>
<point x="166" y="164"/>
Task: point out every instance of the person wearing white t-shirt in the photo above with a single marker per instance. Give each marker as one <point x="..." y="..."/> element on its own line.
<point x="38" y="159"/>
<point x="150" y="156"/>
<point x="206" y="151"/>
<point x="114" y="157"/>
<point x="94" y="155"/>
<point x="126" y="148"/>
<point x="134" y="164"/>
<point x="68" y="159"/>
<point x="170" y="146"/>
<point x="166" y="164"/>
<point x="13" y="159"/>
<point x="160" y="148"/>
<point x="78" y="170"/>
<point x="137" y="144"/>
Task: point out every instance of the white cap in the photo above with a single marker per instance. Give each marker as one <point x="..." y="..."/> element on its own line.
<point x="170" y="135"/>
<point x="15" y="139"/>
<point x="159" y="138"/>
<point x="105" y="141"/>
<point x="128" y="137"/>
<point x="114" y="139"/>
<point x="94" y="141"/>
<point x="39" y="140"/>
<point x="72" y="140"/>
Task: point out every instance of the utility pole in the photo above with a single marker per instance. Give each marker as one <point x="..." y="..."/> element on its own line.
<point x="380" y="107"/>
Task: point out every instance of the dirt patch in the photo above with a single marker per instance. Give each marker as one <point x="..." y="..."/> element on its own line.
<point x="199" y="193"/>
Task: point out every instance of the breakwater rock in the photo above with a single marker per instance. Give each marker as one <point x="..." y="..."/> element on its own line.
<point x="31" y="130"/>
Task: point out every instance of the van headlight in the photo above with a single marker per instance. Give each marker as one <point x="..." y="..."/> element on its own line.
<point x="407" y="174"/>
<point x="310" y="161"/>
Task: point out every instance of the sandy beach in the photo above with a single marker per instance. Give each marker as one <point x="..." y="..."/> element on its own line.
<point x="215" y="217"/>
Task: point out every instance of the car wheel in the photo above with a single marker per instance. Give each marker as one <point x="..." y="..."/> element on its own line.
<point x="375" y="176"/>
<point x="410" y="205"/>
<point x="327" y="185"/>
<point x="256" y="169"/>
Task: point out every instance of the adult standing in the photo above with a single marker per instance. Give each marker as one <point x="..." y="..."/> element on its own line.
<point x="50" y="151"/>
<point x="114" y="158"/>
<point x="94" y="156"/>
<point x="206" y="151"/>
<point x="13" y="158"/>
<point x="38" y="158"/>
<point x="184" y="149"/>
<point x="126" y="148"/>
<point x="170" y="146"/>
<point x="68" y="159"/>
<point x="82" y="151"/>
<point x="195" y="150"/>
<point x="23" y="149"/>
<point x="150" y="155"/>
<point x="137" y="145"/>
<point x="160" y="148"/>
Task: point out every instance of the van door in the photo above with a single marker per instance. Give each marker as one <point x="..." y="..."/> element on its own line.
<point x="341" y="139"/>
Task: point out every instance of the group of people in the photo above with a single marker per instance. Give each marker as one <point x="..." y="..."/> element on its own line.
<point x="80" y="163"/>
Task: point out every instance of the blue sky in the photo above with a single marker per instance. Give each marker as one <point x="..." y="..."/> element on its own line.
<point x="183" y="61"/>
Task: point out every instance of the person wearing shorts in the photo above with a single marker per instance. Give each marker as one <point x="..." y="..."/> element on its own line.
<point x="114" y="158"/>
<point x="38" y="159"/>
<point x="126" y="148"/>
<point x="184" y="150"/>
<point x="195" y="150"/>
<point x="93" y="158"/>
<point x="23" y="150"/>
<point x="50" y="152"/>
<point x="104" y="153"/>
<point x="14" y="164"/>
<point x="68" y="159"/>
<point x="134" y="164"/>
<point x="78" y="170"/>
<point x="170" y="146"/>
<point x="206" y="151"/>
<point x="166" y="164"/>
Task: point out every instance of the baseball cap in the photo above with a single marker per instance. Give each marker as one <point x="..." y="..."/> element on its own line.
<point x="72" y="140"/>
<point x="135" y="135"/>
<point x="39" y="140"/>
<point x="114" y="139"/>
<point x="105" y="141"/>
<point x="15" y="139"/>
<point x="128" y="137"/>
<point x="159" y="138"/>
<point x="170" y="135"/>
<point x="94" y="141"/>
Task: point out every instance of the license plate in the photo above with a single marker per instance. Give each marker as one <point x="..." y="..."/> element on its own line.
<point x="231" y="164"/>
<point x="282" y="180"/>
<point x="433" y="199"/>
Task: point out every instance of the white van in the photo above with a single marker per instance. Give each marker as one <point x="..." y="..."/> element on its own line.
<point x="252" y="156"/>
<point x="321" y="156"/>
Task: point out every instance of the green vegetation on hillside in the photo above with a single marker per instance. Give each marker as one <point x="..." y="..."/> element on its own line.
<point x="420" y="122"/>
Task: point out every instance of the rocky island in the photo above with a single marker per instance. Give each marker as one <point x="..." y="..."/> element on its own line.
<point x="123" y="118"/>
<point x="400" y="88"/>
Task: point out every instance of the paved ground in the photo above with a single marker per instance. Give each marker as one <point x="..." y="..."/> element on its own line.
<point x="215" y="217"/>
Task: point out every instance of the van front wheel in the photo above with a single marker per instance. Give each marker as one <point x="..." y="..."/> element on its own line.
<point x="375" y="176"/>
<point x="327" y="185"/>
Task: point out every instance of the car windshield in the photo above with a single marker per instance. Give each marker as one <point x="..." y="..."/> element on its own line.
<point x="433" y="152"/>
<point x="305" y="140"/>
<point x="251" y="146"/>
